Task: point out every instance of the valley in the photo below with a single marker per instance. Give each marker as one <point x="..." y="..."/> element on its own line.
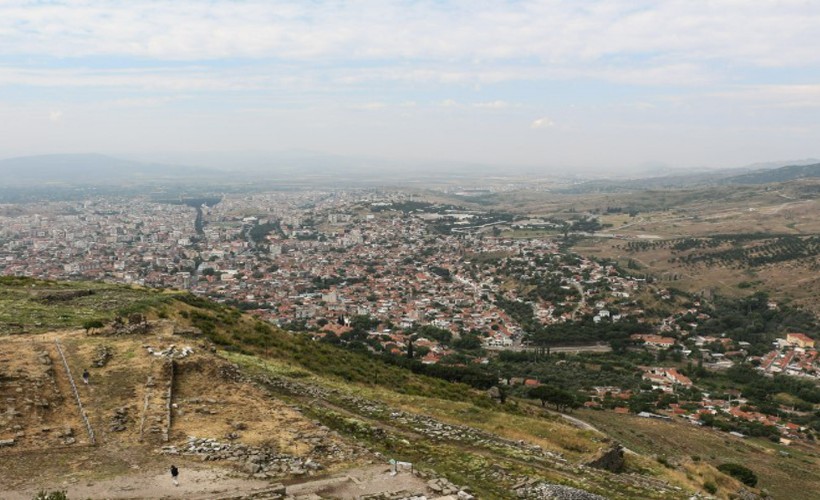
<point x="289" y="344"/>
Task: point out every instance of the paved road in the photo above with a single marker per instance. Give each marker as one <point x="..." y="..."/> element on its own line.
<point x="518" y="347"/>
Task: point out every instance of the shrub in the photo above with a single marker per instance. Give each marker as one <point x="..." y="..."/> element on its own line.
<point x="739" y="472"/>
<point x="710" y="487"/>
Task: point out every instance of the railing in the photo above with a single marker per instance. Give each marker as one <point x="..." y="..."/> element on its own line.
<point x="76" y="393"/>
<point x="168" y="403"/>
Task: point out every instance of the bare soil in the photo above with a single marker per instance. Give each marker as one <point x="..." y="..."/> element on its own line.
<point x="210" y="399"/>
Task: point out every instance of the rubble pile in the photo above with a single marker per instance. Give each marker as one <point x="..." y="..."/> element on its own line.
<point x="102" y="355"/>
<point x="547" y="491"/>
<point x="171" y="352"/>
<point x="119" y="420"/>
<point x="67" y="435"/>
<point x="398" y="495"/>
<point x="442" y="486"/>
<point x="118" y="328"/>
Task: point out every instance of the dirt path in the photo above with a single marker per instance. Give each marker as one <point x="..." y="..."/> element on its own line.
<point x="193" y="483"/>
<point x="577" y="422"/>
<point x="199" y="482"/>
<point x="582" y="302"/>
<point x="359" y="482"/>
<point x="587" y="426"/>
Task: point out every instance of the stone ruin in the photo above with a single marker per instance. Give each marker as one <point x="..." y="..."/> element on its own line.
<point x="119" y="420"/>
<point x="135" y="324"/>
<point x="172" y="352"/>
<point x="260" y="462"/>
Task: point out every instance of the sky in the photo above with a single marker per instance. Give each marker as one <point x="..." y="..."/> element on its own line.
<point x="577" y="84"/>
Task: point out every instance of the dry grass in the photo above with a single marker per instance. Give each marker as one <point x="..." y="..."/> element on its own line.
<point x="548" y="431"/>
<point x="793" y="476"/>
<point x="208" y="406"/>
<point x="222" y="403"/>
<point x="38" y="404"/>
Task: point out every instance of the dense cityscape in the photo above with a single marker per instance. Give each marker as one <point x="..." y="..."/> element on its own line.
<point x="402" y="276"/>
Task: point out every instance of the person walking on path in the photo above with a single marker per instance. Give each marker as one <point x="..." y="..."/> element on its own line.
<point x="85" y="376"/>
<point x="175" y="475"/>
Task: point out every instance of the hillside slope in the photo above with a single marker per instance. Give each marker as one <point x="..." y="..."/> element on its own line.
<point x="245" y="409"/>
<point x="782" y="174"/>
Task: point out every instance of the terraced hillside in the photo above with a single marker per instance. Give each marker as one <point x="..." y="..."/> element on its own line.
<point x="244" y="409"/>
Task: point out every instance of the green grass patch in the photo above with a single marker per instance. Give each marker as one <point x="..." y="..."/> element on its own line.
<point x="33" y="306"/>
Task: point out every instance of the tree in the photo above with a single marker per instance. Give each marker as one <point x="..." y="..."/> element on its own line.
<point x="542" y="392"/>
<point x="560" y="398"/>
<point x="468" y="342"/>
<point x="564" y="400"/>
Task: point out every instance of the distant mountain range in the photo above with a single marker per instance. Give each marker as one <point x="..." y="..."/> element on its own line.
<point x="277" y="168"/>
<point x="97" y="169"/>
<point x="60" y="170"/>
<point x="762" y="173"/>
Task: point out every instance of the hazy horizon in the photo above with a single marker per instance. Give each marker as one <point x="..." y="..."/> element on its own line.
<point x="592" y="86"/>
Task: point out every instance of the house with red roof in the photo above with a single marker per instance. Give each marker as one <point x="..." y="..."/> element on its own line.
<point x="800" y="340"/>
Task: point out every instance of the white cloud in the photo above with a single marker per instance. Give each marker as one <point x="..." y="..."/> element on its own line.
<point x="370" y="106"/>
<point x="548" y="33"/>
<point x="543" y="122"/>
<point x="781" y="96"/>
<point x="154" y="79"/>
<point x="55" y="116"/>
<point x="142" y="102"/>
<point x="598" y="66"/>
<point x="492" y="105"/>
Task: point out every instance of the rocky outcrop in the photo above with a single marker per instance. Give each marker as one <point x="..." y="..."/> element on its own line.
<point x="744" y="494"/>
<point x="494" y="392"/>
<point x="547" y="491"/>
<point x="611" y="459"/>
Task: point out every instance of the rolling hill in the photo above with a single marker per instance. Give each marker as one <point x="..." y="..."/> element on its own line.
<point x="249" y="411"/>
<point x="765" y="173"/>
<point x="782" y="174"/>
